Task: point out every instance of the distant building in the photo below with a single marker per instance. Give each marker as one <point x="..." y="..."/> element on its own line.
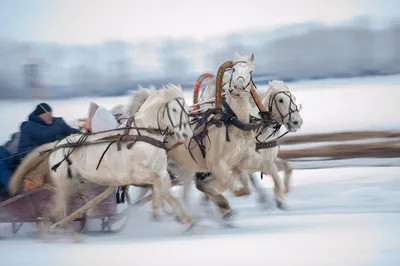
<point x="33" y="70"/>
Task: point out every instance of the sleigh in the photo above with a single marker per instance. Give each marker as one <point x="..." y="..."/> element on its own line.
<point x="33" y="206"/>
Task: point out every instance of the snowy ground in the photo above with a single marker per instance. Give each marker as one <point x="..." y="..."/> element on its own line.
<point x="340" y="216"/>
<point x="334" y="217"/>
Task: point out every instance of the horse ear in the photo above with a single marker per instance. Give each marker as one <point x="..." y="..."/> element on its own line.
<point x="237" y="56"/>
<point x="251" y="57"/>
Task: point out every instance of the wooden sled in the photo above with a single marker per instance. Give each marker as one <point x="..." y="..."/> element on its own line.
<point x="34" y="203"/>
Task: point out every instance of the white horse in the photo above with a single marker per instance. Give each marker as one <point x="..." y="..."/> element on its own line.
<point x="281" y="106"/>
<point x="139" y="161"/>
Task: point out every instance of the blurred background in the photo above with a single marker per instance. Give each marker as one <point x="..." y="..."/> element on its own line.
<point x="341" y="59"/>
<point x="58" y="49"/>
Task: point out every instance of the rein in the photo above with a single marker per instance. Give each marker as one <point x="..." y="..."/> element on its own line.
<point x="125" y="137"/>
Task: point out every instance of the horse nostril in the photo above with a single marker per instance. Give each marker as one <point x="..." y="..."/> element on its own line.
<point x="185" y="136"/>
<point x="295" y="123"/>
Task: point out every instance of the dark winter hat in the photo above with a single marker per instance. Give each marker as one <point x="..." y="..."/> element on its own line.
<point x="42" y="108"/>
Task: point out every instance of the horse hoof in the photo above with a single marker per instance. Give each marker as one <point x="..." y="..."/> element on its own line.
<point x="76" y="238"/>
<point x="181" y="220"/>
<point x="265" y="205"/>
<point x="156" y="218"/>
<point x="281" y="206"/>
<point x="229" y="216"/>
<point x="262" y="200"/>
<point x="191" y="228"/>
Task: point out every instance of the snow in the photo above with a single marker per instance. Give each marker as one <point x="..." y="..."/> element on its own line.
<point x="338" y="216"/>
<point x="334" y="217"/>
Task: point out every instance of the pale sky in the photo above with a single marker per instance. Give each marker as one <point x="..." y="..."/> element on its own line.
<point x="94" y="21"/>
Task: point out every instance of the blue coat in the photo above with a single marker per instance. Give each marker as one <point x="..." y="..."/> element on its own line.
<point x="5" y="164"/>
<point x="36" y="132"/>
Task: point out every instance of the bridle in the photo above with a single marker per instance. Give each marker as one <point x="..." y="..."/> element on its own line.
<point x="233" y="71"/>
<point x="166" y="111"/>
<point x="276" y="124"/>
<point x="291" y="110"/>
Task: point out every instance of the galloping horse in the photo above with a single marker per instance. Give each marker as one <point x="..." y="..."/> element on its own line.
<point x="281" y="107"/>
<point x="138" y="158"/>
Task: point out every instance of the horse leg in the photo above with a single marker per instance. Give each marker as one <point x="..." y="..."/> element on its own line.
<point x="177" y="208"/>
<point x="255" y="163"/>
<point x="262" y="196"/>
<point x="127" y="195"/>
<point x="140" y="197"/>
<point x="285" y="166"/>
<point x="278" y="189"/>
<point x="205" y="202"/>
<point x="187" y="181"/>
<point x="64" y="188"/>
<point x="223" y="204"/>
<point x="244" y="179"/>
<point x="82" y="210"/>
<point x="151" y="178"/>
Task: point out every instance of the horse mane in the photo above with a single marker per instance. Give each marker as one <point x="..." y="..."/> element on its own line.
<point x="167" y="92"/>
<point x="138" y="97"/>
<point x="273" y="86"/>
<point x="118" y="109"/>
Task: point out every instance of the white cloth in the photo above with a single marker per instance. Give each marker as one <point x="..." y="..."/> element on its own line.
<point x="103" y="120"/>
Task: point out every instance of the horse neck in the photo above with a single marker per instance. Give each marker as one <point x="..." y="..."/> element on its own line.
<point x="267" y="99"/>
<point x="241" y="107"/>
<point x="267" y="134"/>
<point x="147" y="118"/>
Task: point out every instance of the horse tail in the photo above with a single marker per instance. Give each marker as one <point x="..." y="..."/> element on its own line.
<point x="35" y="163"/>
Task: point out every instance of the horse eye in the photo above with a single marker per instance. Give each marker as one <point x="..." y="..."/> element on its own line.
<point x="281" y="100"/>
<point x="173" y="109"/>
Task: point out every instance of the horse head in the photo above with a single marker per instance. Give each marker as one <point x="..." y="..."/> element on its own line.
<point x="241" y="78"/>
<point x="169" y="109"/>
<point x="281" y="104"/>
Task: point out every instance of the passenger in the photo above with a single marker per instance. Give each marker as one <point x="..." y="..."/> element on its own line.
<point x="41" y="128"/>
<point x="12" y="147"/>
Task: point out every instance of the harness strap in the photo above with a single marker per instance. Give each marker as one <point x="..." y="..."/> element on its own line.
<point x="101" y="158"/>
<point x="150" y="140"/>
<point x="266" y="145"/>
<point x="126" y="131"/>
<point x="80" y="141"/>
